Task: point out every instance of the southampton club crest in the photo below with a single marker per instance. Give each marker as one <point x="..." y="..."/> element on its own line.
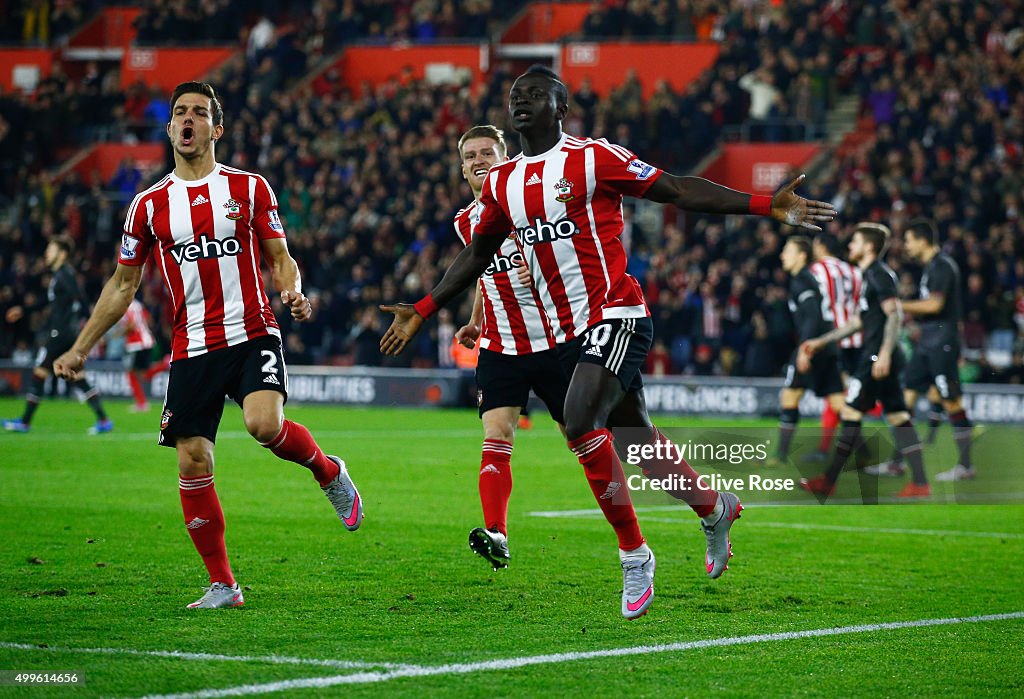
<point x="234" y="210"/>
<point x="564" y="189"/>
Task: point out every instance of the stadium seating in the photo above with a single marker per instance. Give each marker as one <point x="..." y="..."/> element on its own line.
<point x="368" y="181"/>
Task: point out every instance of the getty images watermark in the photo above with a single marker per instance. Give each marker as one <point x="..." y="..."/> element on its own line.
<point x="746" y="458"/>
<point x="732" y="453"/>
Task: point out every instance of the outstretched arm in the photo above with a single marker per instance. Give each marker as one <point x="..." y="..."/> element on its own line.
<point x="117" y="295"/>
<point x="466" y="268"/>
<point x="698" y="194"/>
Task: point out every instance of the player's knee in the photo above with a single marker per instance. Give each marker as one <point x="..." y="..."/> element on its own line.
<point x="264" y="428"/>
<point x="850" y="414"/>
<point x="576" y="428"/>
<point x="503" y="432"/>
<point x="195" y="460"/>
<point x="897" y="419"/>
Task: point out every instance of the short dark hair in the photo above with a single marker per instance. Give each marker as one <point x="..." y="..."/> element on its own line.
<point x="204" y="89"/>
<point x="830" y="243"/>
<point x="561" y="91"/>
<point x="802" y="243"/>
<point x="924" y="229"/>
<point x="875" y="233"/>
<point x="485" y="131"/>
<point x="64" y="242"/>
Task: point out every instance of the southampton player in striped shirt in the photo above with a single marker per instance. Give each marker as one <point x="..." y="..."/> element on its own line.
<point x="517" y="352"/>
<point x="563" y="199"/>
<point x="840" y="284"/>
<point x="206" y="227"/>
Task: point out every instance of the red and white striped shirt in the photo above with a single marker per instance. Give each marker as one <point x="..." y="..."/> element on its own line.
<point x="840" y="284"/>
<point x="205" y="236"/>
<point x="137" y="335"/>
<point x="514" y="322"/>
<point x="565" y="207"/>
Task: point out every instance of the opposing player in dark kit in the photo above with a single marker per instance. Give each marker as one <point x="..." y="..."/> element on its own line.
<point x="820" y="374"/>
<point x="66" y="305"/>
<point x="876" y="377"/>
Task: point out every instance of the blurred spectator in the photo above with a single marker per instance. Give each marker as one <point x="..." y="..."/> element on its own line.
<point x="368" y="187"/>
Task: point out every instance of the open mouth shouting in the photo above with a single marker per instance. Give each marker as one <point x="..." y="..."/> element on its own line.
<point x="521" y="114"/>
<point x="187" y="135"/>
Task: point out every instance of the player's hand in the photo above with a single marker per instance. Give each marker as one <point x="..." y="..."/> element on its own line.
<point x="803" y="362"/>
<point x="403" y="328"/>
<point x="299" y="305"/>
<point x="880" y="369"/>
<point x="810" y="348"/>
<point x="523" y="274"/>
<point x="789" y="207"/>
<point x="69" y="365"/>
<point x="467" y="335"/>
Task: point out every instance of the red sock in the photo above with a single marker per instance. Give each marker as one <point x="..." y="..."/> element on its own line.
<point x="608" y="483"/>
<point x="295" y="443"/>
<point x="876" y="411"/>
<point x="700" y="501"/>
<point x="495" y="483"/>
<point x="163" y="365"/>
<point x="137" y="392"/>
<point x="205" y="523"/>
<point x="829" y="422"/>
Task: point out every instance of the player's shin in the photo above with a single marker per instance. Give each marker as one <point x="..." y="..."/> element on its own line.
<point x="963" y="434"/>
<point x="137" y="391"/>
<point x="295" y="443"/>
<point x="495" y="483"/>
<point x="92" y="397"/>
<point x="700" y="500"/>
<point x="787" y="428"/>
<point x="910" y="445"/>
<point x="33" y="398"/>
<point x="829" y="422"/>
<point x="204" y="520"/>
<point x="849" y="436"/>
<point x="608" y="483"/>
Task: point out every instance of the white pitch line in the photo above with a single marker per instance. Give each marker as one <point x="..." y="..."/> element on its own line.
<point x="524" y="661"/>
<point x="182" y="655"/>
<point x="591" y="513"/>
<point x="151" y="436"/>
<point x="950" y="497"/>
<point x="863" y="530"/>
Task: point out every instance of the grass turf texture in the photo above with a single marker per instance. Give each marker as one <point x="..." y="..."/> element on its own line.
<point x="95" y="556"/>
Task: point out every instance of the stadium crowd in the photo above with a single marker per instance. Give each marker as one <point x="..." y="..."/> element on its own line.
<point x="368" y="182"/>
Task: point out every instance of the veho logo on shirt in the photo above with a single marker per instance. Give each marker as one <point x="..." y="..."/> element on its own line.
<point x="546" y="231"/>
<point x="206" y="248"/>
<point x="504" y="263"/>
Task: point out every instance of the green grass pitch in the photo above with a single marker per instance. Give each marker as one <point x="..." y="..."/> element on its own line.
<point x="94" y="556"/>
